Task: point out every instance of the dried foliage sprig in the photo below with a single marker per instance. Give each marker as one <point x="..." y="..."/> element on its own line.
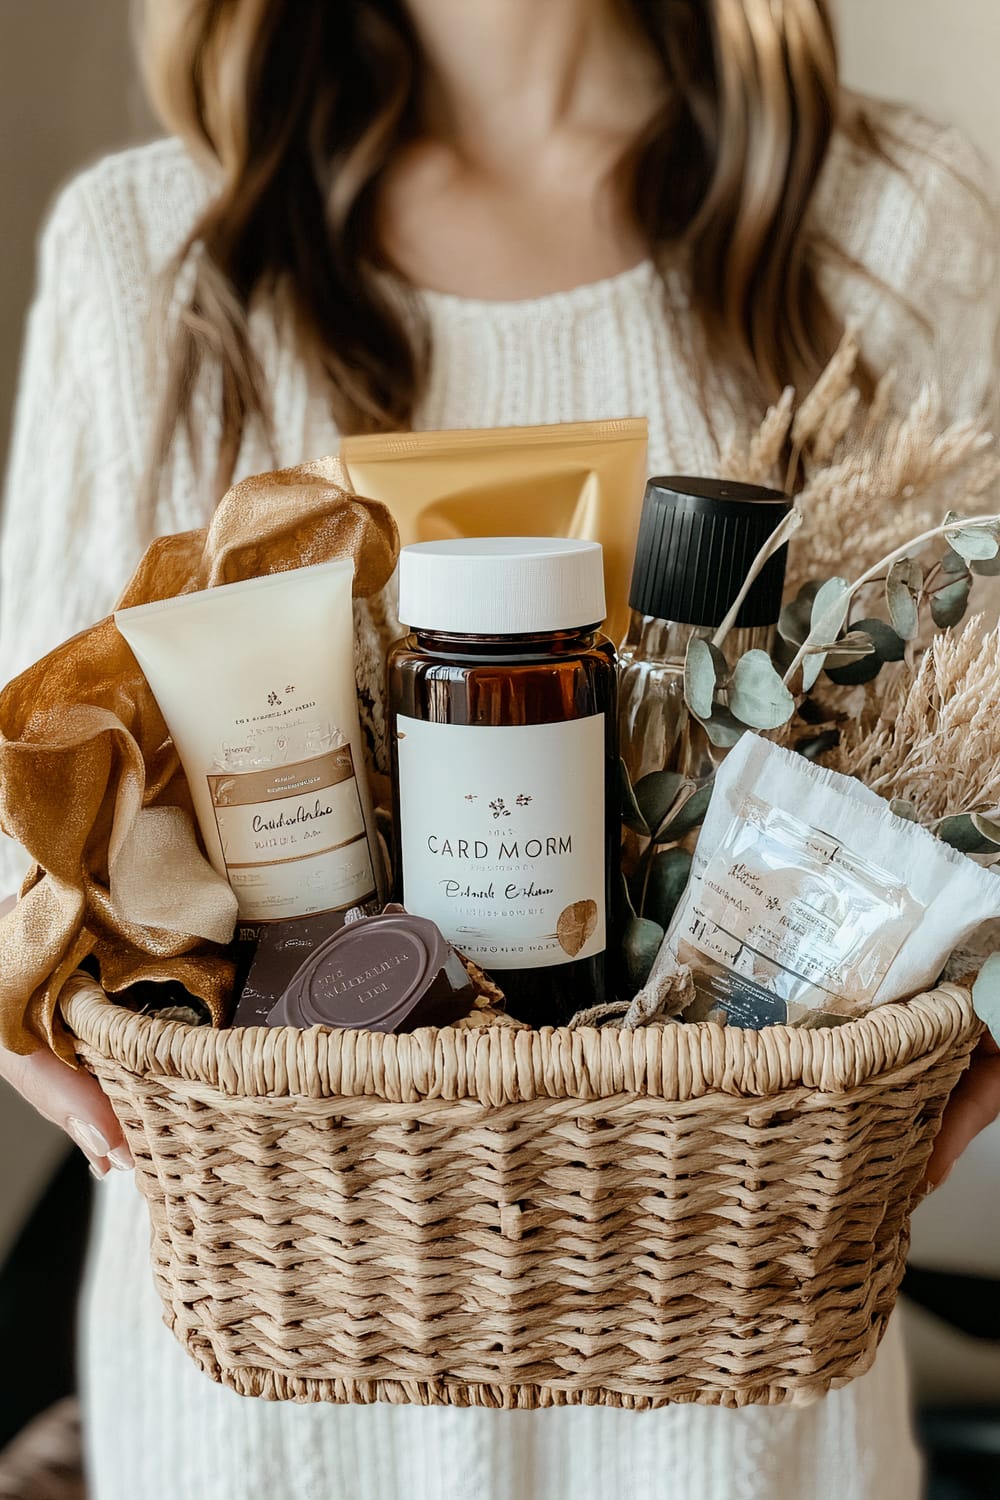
<point x="893" y="488"/>
<point x="971" y="539"/>
<point x="869" y="473"/>
<point x="869" y="477"/>
<point x="934" y="741"/>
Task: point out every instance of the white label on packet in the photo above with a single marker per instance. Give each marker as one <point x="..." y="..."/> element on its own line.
<point x="784" y="922"/>
<point x="502" y="835"/>
<point x="293" y="836"/>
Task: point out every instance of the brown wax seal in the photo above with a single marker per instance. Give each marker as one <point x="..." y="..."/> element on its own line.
<point x="393" y="972"/>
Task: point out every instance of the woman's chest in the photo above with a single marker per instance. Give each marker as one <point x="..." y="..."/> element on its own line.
<point x="608" y="351"/>
<point x="611" y="350"/>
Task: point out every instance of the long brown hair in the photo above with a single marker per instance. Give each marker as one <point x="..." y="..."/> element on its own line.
<point x="302" y="103"/>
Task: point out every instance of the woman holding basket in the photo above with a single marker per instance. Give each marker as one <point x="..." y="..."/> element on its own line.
<point x="461" y="213"/>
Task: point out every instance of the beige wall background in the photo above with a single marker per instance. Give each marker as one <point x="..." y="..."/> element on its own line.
<point x="940" y="55"/>
<point x="68" y="93"/>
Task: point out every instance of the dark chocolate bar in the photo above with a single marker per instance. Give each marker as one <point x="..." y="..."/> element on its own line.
<point x="269" y="955"/>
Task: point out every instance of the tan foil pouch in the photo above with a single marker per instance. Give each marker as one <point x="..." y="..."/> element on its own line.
<point x="572" y="479"/>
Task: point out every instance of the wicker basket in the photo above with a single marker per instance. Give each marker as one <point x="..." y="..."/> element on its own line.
<point x="525" y="1219"/>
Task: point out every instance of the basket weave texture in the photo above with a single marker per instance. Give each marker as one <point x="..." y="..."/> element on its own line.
<point x="526" y="1219"/>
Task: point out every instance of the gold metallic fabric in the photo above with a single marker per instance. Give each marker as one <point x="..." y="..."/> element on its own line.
<point x="91" y="786"/>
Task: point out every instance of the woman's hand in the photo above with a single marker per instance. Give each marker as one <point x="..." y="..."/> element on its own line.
<point x="74" y="1101"/>
<point x="70" y="1098"/>
<point x="974" y="1105"/>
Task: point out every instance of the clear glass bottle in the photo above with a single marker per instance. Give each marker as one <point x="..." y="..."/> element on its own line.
<point x="657" y="731"/>
<point x="505" y="753"/>
<point x="697" y="539"/>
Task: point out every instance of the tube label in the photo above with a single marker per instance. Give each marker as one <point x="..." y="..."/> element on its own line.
<point x="293" y="837"/>
<point x="502" y="836"/>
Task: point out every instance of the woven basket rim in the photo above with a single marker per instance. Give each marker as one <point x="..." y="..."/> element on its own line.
<point x="499" y="1065"/>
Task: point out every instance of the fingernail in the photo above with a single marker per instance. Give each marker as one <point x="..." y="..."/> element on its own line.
<point x="121" y="1157"/>
<point x="96" y="1173"/>
<point x="87" y="1137"/>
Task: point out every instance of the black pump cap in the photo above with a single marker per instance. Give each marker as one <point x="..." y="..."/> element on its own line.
<point x="697" y="539"/>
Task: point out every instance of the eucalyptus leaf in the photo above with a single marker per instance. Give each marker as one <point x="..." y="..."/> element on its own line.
<point x="911" y="572"/>
<point x="632" y="815"/>
<point x="783" y="653"/>
<point x="811" y="747"/>
<point x="889" y="644"/>
<point x="757" y="695"/>
<point x="826" y="620"/>
<point x="961" y="833"/>
<point x="986" y="995"/>
<point x="851" y="648"/>
<point x="829" y="609"/>
<point x="986" y="567"/>
<point x="973" y="542"/>
<point x="949" y="604"/>
<point x="975" y="545"/>
<point x="640" y="945"/>
<point x="655" y="795"/>
<point x="812" y="666"/>
<point x="902" y="590"/>
<point x="668" y="878"/>
<point x="989" y="828"/>
<point x="625" y="903"/>
<point x="721" y="662"/>
<point x="796" y="616"/>
<point x="812" y="712"/>
<point x="952" y="563"/>
<point x="690" y="815"/>
<point x="809" y="590"/>
<point x="903" y="808"/>
<point x="723" y="729"/>
<point x="886" y="646"/>
<point x="699" y="678"/>
<point x="855" y="673"/>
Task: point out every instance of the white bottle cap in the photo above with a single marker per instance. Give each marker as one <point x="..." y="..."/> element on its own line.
<point x="501" y="585"/>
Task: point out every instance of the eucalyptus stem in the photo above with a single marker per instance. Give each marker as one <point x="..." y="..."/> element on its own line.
<point x="929" y="579"/>
<point x="967" y="523"/>
<point x="644" y="865"/>
<point x="789" y="524"/>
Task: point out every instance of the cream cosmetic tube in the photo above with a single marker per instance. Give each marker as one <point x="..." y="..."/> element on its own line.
<point x="256" y="683"/>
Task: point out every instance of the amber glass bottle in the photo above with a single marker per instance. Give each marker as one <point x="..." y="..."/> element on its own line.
<point x="503" y="705"/>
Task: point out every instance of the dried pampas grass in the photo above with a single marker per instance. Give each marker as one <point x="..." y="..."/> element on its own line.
<point x="899" y="484"/>
<point x="868" y="475"/>
<point x="934" y="739"/>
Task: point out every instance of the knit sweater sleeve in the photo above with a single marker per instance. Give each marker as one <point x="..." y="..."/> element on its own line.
<point x="70" y="489"/>
<point x="916" y="234"/>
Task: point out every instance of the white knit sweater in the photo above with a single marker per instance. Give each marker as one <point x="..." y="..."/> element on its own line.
<point x="158" y="1429"/>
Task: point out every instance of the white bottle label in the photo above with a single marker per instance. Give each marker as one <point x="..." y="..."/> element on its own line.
<point x="502" y="835"/>
<point x="293" y="837"/>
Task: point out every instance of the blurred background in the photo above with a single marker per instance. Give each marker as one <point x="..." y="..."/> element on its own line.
<point x="68" y="93"/>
